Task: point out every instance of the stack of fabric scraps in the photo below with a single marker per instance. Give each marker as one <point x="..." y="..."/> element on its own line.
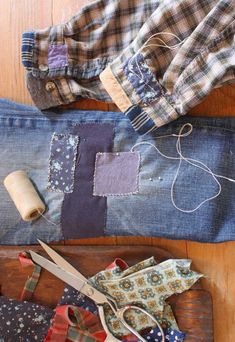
<point x="146" y="284"/>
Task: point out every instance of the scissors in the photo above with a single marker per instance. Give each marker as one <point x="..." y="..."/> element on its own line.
<point x="63" y="270"/>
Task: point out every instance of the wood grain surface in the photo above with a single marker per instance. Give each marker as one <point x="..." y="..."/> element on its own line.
<point x="193" y="308"/>
<point x="215" y="261"/>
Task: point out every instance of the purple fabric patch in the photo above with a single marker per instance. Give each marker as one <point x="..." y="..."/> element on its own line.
<point x="57" y="55"/>
<point x="142" y="79"/>
<point x="62" y="162"/>
<point x="84" y="215"/>
<point x="23" y="321"/>
<point x="116" y="173"/>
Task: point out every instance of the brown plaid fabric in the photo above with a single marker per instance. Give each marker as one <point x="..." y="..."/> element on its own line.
<point x="160" y="58"/>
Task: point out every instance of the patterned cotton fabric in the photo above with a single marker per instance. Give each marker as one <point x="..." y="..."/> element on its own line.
<point x="147" y="285"/>
<point x="163" y="56"/>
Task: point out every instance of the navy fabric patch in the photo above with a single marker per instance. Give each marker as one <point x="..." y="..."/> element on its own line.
<point x="142" y="78"/>
<point x="27" y="49"/>
<point x="62" y="161"/>
<point x="23" y="321"/>
<point x="84" y="215"/>
<point x="140" y="120"/>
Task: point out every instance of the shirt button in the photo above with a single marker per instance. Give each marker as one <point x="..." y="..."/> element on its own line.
<point x="43" y="67"/>
<point x="50" y="86"/>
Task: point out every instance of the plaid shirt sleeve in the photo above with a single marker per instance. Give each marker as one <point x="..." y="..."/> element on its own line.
<point x="64" y="61"/>
<point x="155" y="59"/>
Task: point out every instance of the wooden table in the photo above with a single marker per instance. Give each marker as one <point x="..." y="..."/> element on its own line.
<point x="214" y="260"/>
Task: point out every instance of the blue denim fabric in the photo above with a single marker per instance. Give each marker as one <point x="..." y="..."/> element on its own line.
<point x="25" y="144"/>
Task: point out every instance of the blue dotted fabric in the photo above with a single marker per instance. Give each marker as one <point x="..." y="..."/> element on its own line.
<point x="142" y="79"/>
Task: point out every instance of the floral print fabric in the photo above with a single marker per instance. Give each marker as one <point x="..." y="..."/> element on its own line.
<point x="62" y="161"/>
<point x="147" y="285"/>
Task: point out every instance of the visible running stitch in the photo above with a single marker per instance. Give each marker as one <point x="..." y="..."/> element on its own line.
<point x="116" y="194"/>
<point x="142" y="79"/>
<point x="55" y="187"/>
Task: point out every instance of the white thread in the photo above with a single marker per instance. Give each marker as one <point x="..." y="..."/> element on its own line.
<point x="191" y="161"/>
<point x="49" y="221"/>
<point x="170" y="47"/>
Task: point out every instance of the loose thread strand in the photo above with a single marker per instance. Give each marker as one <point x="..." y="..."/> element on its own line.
<point x="194" y="162"/>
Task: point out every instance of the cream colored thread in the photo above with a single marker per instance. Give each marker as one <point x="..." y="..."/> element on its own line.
<point x="191" y="161"/>
<point x="49" y="221"/>
<point x="170" y="47"/>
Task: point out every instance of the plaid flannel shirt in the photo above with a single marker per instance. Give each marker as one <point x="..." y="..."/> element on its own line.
<point x="154" y="59"/>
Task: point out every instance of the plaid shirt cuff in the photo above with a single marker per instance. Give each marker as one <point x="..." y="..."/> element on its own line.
<point x="141" y="113"/>
<point x="133" y="87"/>
<point x="53" y="72"/>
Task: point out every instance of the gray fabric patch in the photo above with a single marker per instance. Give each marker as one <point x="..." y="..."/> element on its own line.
<point x="116" y="174"/>
<point x="62" y="162"/>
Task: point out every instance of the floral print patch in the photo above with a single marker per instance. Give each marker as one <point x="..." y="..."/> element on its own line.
<point x="62" y="162"/>
<point x="142" y="78"/>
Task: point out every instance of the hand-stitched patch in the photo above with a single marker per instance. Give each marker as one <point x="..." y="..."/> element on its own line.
<point x="57" y="55"/>
<point x="142" y="78"/>
<point x="116" y="173"/>
<point x="84" y="215"/>
<point x="62" y="161"/>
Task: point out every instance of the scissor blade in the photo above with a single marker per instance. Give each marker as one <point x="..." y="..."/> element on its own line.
<point x="60" y="261"/>
<point x="70" y="279"/>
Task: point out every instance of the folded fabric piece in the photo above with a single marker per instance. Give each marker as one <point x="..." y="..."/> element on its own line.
<point x="75" y="318"/>
<point x="150" y="212"/>
<point x="146" y="284"/>
<point x="155" y="336"/>
<point x="119" y="272"/>
<point x="71" y="323"/>
<point x="28" y="322"/>
<point x="23" y="321"/>
<point x="159" y="58"/>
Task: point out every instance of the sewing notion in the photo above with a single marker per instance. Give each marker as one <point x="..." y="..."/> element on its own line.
<point x="24" y="195"/>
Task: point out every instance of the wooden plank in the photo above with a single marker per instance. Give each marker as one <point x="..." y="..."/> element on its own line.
<point x="216" y="261"/>
<point x="220" y="102"/>
<point x="89" y="259"/>
<point x="193" y="308"/>
<point x="64" y="10"/>
<point x="176" y="247"/>
<point x="15" y="18"/>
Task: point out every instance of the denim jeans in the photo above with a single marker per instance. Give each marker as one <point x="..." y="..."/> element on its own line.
<point x="26" y="136"/>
